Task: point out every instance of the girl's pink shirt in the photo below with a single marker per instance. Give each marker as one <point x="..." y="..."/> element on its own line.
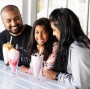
<point x="50" y="61"/>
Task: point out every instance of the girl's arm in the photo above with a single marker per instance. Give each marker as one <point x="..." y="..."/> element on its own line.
<point x="26" y="70"/>
<point x="51" y="59"/>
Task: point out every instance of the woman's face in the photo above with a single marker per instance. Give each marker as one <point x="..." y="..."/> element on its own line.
<point x="41" y="35"/>
<point x="56" y="31"/>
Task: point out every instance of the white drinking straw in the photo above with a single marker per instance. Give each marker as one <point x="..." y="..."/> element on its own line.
<point x="16" y="46"/>
<point x="40" y="51"/>
<point x="10" y="40"/>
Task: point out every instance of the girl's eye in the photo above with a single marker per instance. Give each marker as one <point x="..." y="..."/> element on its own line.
<point x="36" y="32"/>
<point x="44" y="32"/>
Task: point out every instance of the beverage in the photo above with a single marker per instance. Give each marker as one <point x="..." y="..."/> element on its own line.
<point x="6" y="48"/>
<point x="37" y="63"/>
<point x="13" y="58"/>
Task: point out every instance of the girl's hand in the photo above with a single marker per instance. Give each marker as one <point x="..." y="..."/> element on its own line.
<point x="42" y="72"/>
<point x="24" y="69"/>
<point x="50" y="74"/>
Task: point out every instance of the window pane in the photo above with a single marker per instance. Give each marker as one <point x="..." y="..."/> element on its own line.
<point x="89" y="22"/>
<point x="41" y="8"/>
<point x="80" y="8"/>
<point x="56" y="4"/>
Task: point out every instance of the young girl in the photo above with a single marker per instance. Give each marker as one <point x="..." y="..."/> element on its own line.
<point x="42" y="37"/>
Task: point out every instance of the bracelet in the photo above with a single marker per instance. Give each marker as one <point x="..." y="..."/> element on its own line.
<point x="56" y="77"/>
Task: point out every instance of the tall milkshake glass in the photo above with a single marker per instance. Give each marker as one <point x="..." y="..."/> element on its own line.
<point x="13" y="58"/>
<point x="37" y="64"/>
<point x="6" y="48"/>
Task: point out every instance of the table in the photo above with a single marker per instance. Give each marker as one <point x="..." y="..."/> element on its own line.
<point x="27" y="81"/>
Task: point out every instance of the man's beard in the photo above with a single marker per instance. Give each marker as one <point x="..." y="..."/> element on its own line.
<point x="18" y="31"/>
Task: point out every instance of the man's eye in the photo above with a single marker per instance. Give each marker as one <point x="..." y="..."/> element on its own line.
<point x="17" y="18"/>
<point x="8" y="21"/>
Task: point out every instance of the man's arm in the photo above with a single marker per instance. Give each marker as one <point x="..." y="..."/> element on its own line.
<point x="1" y="44"/>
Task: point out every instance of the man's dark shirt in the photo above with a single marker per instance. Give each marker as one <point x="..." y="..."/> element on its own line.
<point x="22" y="41"/>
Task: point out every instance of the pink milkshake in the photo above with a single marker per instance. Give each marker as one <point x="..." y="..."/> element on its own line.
<point x="13" y="58"/>
<point x="37" y="63"/>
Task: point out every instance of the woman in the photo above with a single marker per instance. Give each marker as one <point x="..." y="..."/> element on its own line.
<point x="73" y="55"/>
<point x="42" y="38"/>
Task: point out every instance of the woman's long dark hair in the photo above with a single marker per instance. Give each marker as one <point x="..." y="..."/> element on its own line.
<point x="32" y="46"/>
<point x="70" y="30"/>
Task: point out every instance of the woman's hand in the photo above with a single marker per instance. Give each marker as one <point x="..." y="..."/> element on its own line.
<point x="50" y="74"/>
<point x="24" y="69"/>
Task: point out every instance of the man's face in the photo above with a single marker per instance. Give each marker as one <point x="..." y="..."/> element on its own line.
<point x="12" y="21"/>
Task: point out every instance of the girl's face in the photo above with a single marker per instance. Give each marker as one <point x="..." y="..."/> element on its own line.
<point x="41" y="35"/>
<point x="56" y="31"/>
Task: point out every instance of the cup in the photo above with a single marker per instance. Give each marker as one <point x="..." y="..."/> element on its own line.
<point x="5" y="55"/>
<point x="37" y="64"/>
<point x="13" y="58"/>
<point x="6" y="48"/>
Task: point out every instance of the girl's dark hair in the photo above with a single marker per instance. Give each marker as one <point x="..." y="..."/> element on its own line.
<point x="32" y="46"/>
<point x="70" y="30"/>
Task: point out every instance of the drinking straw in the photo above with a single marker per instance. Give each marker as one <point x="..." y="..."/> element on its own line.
<point x="40" y="51"/>
<point x="16" y="46"/>
<point x="10" y="40"/>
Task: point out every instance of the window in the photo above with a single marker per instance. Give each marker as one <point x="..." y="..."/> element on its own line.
<point x="89" y="22"/>
<point x="80" y="7"/>
<point x="42" y="6"/>
<point x="56" y="4"/>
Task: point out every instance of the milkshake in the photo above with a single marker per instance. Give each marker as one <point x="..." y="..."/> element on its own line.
<point x="37" y="64"/>
<point x="6" y="48"/>
<point x="13" y="58"/>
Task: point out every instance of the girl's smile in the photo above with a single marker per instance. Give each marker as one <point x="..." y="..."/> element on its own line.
<point x="41" y="35"/>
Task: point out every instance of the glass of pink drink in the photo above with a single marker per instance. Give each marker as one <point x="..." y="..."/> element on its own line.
<point x="37" y="64"/>
<point x="13" y="59"/>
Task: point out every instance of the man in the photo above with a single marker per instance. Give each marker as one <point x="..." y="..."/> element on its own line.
<point x="20" y="33"/>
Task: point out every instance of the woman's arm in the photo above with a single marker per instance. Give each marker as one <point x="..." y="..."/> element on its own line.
<point x="80" y="69"/>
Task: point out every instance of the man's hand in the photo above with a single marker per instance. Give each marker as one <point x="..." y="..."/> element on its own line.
<point x="50" y="74"/>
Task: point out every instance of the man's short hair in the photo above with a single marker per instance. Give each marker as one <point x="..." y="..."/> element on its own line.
<point x="9" y="8"/>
